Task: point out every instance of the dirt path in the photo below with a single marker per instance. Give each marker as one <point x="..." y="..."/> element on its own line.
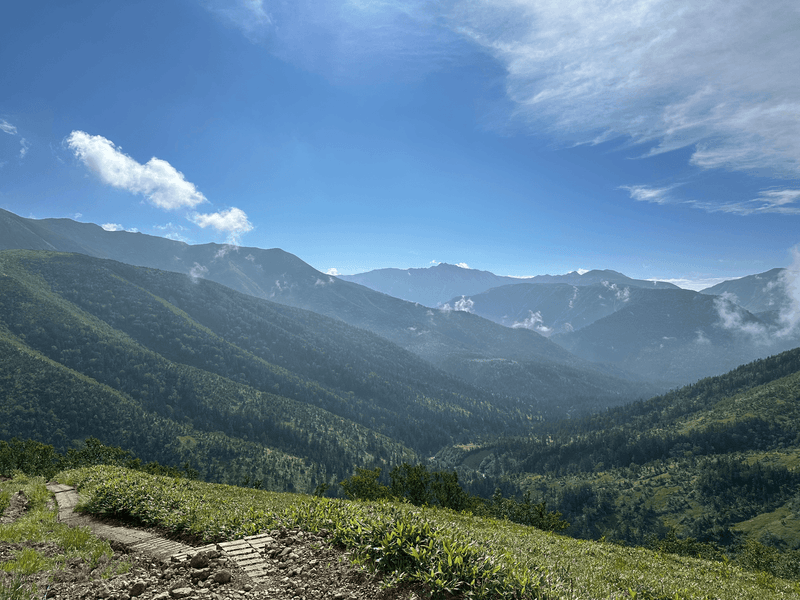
<point x="281" y="565"/>
<point x="135" y="539"/>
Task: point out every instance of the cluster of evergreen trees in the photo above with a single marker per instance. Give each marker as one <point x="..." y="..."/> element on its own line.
<point x="420" y="487"/>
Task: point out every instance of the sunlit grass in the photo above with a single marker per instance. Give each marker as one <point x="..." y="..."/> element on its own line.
<point x="39" y="525"/>
<point x="447" y="551"/>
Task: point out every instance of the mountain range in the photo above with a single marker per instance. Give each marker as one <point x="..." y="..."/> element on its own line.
<point x="456" y="341"/>
<point x="435" y="286"/>
<point x="251" y="366"/>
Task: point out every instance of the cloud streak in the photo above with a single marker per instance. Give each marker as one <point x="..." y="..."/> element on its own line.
<point x="643" y="193"/>
<point x="349" y="39"/>
<point x="779" y="201"/>
<point x="717" y="76"/>
<point x="7" y="127"/>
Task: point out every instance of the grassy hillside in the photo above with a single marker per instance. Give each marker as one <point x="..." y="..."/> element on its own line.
<point x="447" y="551"/>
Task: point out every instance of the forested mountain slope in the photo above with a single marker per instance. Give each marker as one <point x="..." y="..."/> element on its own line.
<point x="713" y="460"/>
<point x="759" y="293"/>
<point x="680" y="335"/>
<point x="448" y="339"/>
<point x="195" y="356"/>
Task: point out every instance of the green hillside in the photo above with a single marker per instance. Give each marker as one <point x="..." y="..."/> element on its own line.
<point x="205" y="363"/>
<point x="716" y="461"/>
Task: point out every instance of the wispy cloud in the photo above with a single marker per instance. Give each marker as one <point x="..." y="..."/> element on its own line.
<point x="780" y="201"/>
<point x="462" y="305"/>
<point x="718" y="76"/>
<point x="118" y="227"/>
<point x="157" y="180"/>
<point x="333" y="271"/>
<point x="10" y="129"/>
<point x="248" y="15"/>
<point x="694" y="283"/>
<point x="534" y="322"/>
<point x="786" y="201"/>
<point x="348" y="39"/>
<point x="643" y="193"/>
<point x="7" y="127"/>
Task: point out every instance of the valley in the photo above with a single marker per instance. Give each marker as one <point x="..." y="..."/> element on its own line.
<point x="643" y="414"/>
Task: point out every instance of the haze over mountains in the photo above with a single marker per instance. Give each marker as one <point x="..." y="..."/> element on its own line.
<point x="436" y="285"/>
<point x="610" y="336"/>
<point x="458" y="342"/>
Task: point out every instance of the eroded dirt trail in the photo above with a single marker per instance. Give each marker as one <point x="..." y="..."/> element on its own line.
<point x="283" y="564"/>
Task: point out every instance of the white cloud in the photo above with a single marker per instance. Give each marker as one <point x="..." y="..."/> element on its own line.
<point x="349" y="39"/>
<point x="333" y="271"/>
<point x="198" y="271"/>
<point x="718" y="76"/>
<point x="734" y="317"/>
<point x="157" y="180"/>
<point x="620" y="293"/>
<point x="462" y="305"/>
<point x="463" y="265"/>
<point x="233" y="221"/>
<point x="248" y="15"/>
<point x="10" y="129"/>
<point x="112" y="227"/>
<point x="7" y="127"/>
<point x="790" y="278"/>
<point x="534" y="322"/>
<point x="223" y="251"/>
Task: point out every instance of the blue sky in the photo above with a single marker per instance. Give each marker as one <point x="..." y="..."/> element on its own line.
<point x="657" y="138"/>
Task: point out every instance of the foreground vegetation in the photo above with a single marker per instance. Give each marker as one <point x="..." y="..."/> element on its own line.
<point x="448" y="551"/>
<point x="40" y="543"/>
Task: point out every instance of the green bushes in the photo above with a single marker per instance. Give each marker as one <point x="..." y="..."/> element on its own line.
<point x="38" y="459"/>
<point x="416" y="485"/>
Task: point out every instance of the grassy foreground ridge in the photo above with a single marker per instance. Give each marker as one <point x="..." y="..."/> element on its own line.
<point x="450" y="552"/>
